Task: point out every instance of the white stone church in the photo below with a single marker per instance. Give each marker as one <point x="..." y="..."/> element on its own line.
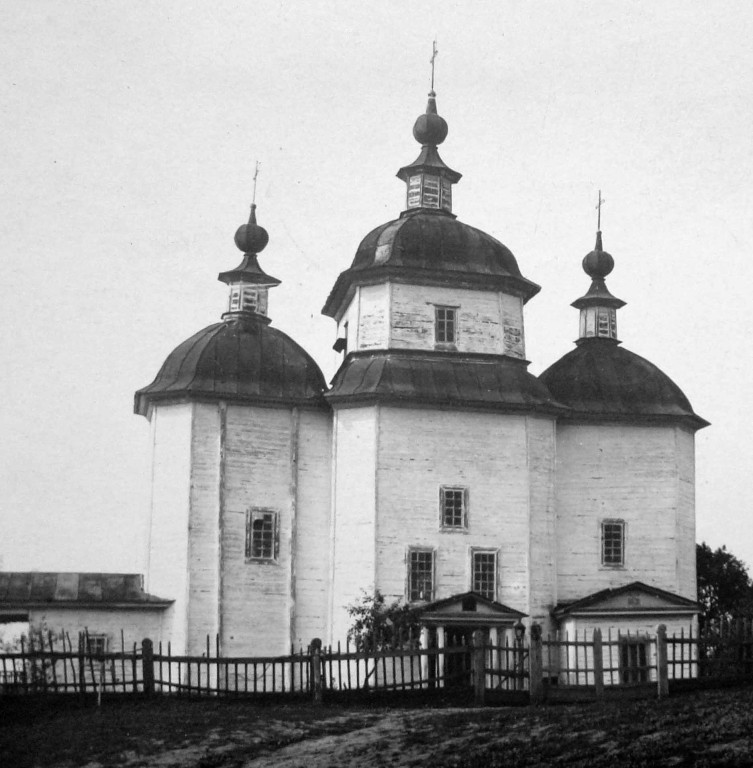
<point x="435" y="468"/>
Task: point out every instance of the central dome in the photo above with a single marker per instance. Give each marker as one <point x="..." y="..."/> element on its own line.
<point x="433" y="248"/>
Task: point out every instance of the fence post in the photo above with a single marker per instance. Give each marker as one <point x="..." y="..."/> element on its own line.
<point x="479" y="667"/>
<point x="81" y="664"/>
<point x="535" y="666"/>
<point x="316" y="669"/>
<point x="147" y="664"/>
<point x="598" y="665"/>
<point x="662" y="672"/>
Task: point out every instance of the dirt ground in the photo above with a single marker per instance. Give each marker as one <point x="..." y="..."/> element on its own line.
<point x="713" y="728"/>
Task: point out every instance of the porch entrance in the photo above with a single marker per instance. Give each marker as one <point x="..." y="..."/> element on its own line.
<point x="458" y="662"/>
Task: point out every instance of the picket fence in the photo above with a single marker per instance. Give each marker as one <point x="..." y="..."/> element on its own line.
<point x="544" y="668"/>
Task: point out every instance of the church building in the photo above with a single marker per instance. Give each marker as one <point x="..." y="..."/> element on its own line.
<point x="434" y="468"/>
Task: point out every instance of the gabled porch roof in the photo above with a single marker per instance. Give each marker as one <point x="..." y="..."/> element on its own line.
<point x="468" y="609"/>
<point x="631" y="599"/>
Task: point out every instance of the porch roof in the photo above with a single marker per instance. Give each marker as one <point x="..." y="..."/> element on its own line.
<point x="630" y="599"/>
<point x="468" y="609"/>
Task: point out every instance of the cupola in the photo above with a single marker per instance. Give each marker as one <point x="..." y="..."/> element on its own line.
<point x="429" y="181"/>
<point x="249" y="284"/>
<point x="598" y="308"/>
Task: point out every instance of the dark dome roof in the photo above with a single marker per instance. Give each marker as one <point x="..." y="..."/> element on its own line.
<point x="600" y="379"/>
<point x="432" y="247"/>
<point x="489" y="382"/>
<point x="238" y="360"/>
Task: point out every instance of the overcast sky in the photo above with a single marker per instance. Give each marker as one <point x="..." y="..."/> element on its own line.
<point x="128" y="139"/>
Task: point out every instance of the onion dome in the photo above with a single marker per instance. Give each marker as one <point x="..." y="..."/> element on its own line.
<point x="237" y="361"/>
<point x="475" y="381"/>
<point x="251" y="238"/>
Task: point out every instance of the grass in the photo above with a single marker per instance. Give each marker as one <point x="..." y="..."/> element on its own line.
<point x="707" y="728"/>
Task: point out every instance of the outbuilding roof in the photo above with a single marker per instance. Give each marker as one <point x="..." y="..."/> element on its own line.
<point x="28" y="589"/>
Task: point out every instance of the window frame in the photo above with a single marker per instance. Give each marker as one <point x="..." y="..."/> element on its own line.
<point x="442" y="323"/>
<point x="605" y="563"/>
<point x="259" y="513"/>
<point x="475" y="551"/>
<point x="443" y="524"/>
<point x="93" y="639"/>
<point x="409" y="581"/>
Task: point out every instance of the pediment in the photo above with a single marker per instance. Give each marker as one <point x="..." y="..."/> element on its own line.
<point x="468" y="608"/>
<point x="631" y="598"/>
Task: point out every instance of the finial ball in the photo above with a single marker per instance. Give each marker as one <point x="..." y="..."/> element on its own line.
<point x="598" y="264"/>
<point x="430" y="128"/>
<point x="251" y="238"/>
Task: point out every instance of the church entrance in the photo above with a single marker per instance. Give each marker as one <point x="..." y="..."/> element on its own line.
<point x="458" y="660"/>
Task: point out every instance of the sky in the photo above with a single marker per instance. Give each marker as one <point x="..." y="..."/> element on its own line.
<point x="128" y="140"/>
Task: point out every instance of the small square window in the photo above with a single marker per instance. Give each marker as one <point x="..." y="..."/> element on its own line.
<point x="96" y="644"/>
<point x="453" y="502"/>
<point x="484" y="566"/>
<point x="420" y="575"/>
<point x="445" y="325"/>
<point x="613" y="542"/>
<point x="261" y="535"/>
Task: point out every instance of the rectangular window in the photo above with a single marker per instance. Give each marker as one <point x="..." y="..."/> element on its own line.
<point x="261" y="535"/>
<point x="613" y="542"/>
<point x="420" y="575"/>
<point x="97" y="644"/>
<point x="445" y="322"/>
<point x="633" y="660"/>
<point x="453" y="507"/>
<point x="484" y="567"/>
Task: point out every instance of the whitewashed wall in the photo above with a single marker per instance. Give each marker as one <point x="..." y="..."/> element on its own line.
<point x="311" y="568"/>
<point x="409" y="454"/>
<point x="640" y="474"/>
<point x="167" y="564"/>
<point x="353" y="525"/>
<point x="135" y="624"/>
<point x="401" y="316"/>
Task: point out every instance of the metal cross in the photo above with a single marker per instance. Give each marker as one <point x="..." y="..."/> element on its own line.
<point x="431" y="61"/>
<point x="256" y="174"/>
<point x="598" y="208"/>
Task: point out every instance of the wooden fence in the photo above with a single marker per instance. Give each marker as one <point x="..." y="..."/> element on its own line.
<point x="555" y="667"/>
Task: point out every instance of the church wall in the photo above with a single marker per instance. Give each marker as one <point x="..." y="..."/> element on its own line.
<point x="620" y="472"/>
<point x="311" y="544"/>
<point x="487" y="322"/>
<point x="372" y="330"/>
<point x="686" y="534"/>
<point x="255" y="599"/>
<point x="167" y="564"/>
<point x="422" y="450"/>
<point x="204" y="519"/>
<point x="353" y="527"/>
<point x="542" y="542"/>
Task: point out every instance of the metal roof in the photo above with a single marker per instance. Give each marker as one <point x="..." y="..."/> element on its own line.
<point x="595" y="602"/>
<point x="489" y="382"/>
<point x="25" y="589"/>
<point x="238" y="360"/>
<point x="429" y="247"/>
<point x="602" y="380"/>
